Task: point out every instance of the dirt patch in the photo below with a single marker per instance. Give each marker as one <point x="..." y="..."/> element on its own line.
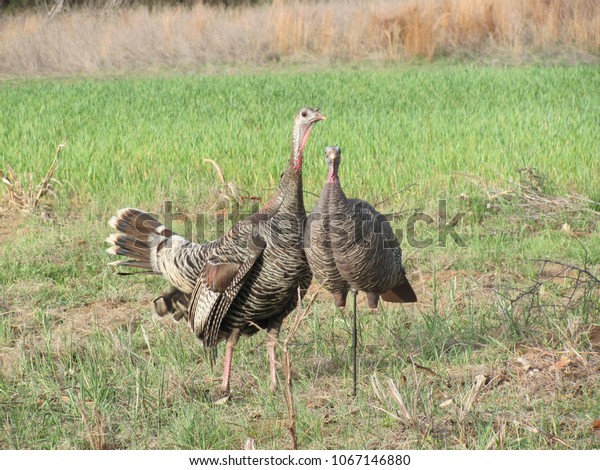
<point x="534" y="374"/>
<point x="594" y="337"/>
<point x="507" y="393"/>
<point x="12" y="225"/>
<point x="65" y="328"/>
<point x="101" y="315"/>
<point x="533" y="364"/>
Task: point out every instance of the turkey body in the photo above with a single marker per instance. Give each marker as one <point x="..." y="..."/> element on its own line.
<point x="352" y="247"/>
<point x="245" y="281"/>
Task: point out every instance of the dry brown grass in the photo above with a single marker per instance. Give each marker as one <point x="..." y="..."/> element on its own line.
<point x="23" y="192"/>
<point x="136" y="38"/>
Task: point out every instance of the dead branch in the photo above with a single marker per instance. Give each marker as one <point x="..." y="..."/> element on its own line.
<point x="286" y="363"/>
<point x="287" y="366"/>
<point x="559" y="287"/>
<point x="527" y="194"/>
<point x="383" y="201"/>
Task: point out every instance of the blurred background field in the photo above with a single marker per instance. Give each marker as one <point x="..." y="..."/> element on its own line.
<point x="116" y="36"/>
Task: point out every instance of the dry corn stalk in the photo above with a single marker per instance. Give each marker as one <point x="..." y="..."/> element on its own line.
<point x="228" y="192"/>
<point x="23" y="193"/>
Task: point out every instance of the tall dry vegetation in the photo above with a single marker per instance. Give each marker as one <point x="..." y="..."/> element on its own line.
<point x="85" y="41"/>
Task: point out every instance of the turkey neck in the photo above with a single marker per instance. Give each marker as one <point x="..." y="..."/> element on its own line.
<point x="332" y="190"/>
<point x="289" y="193"/>
<point x="332" y="176"/>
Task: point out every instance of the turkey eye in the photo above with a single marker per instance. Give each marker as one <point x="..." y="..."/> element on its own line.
<point x="303" y="113"/>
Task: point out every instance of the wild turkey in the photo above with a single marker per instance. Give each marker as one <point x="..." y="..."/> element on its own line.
<point x="351" y="247"/>
<point x="245" y="281"/>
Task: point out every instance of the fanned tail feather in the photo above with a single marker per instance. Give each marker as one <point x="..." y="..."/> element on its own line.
<point x="142" y="240"/>
<point x="140" y="237"/>
<point x="135" y="222"/>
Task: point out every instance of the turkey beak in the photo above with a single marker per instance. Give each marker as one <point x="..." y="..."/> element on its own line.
<point x="320" y="117"/>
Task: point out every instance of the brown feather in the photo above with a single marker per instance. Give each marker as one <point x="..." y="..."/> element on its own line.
<point x="136" y="223"/>
<point x="135" y="249"/>
<point x="219" y="276"/>
<point x="402" y="293"/>
<point x="132" y="263"/>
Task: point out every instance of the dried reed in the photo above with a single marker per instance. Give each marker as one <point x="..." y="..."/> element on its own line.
<point x="125" y="39"/>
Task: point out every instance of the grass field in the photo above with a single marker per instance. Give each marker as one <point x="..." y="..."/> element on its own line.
<point x="499" y="353"/>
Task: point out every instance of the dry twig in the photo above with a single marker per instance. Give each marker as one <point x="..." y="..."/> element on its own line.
<point x="475" y="388"/>
<point x="551" y="437"/>
<point x="576" y="285"/>
<point x="228" y="192"/>
<point x="287" y="366"/>
<point x="529" y="196"/>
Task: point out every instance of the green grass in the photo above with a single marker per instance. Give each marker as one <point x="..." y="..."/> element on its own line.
<point x="77" y="344"/>
<point x="131" y="141"/>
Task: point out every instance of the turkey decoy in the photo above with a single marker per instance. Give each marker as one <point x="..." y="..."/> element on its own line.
<point x="352" y="247"/>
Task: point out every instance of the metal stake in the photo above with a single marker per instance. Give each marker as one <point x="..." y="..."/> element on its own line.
<point x="354" y="341"/>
